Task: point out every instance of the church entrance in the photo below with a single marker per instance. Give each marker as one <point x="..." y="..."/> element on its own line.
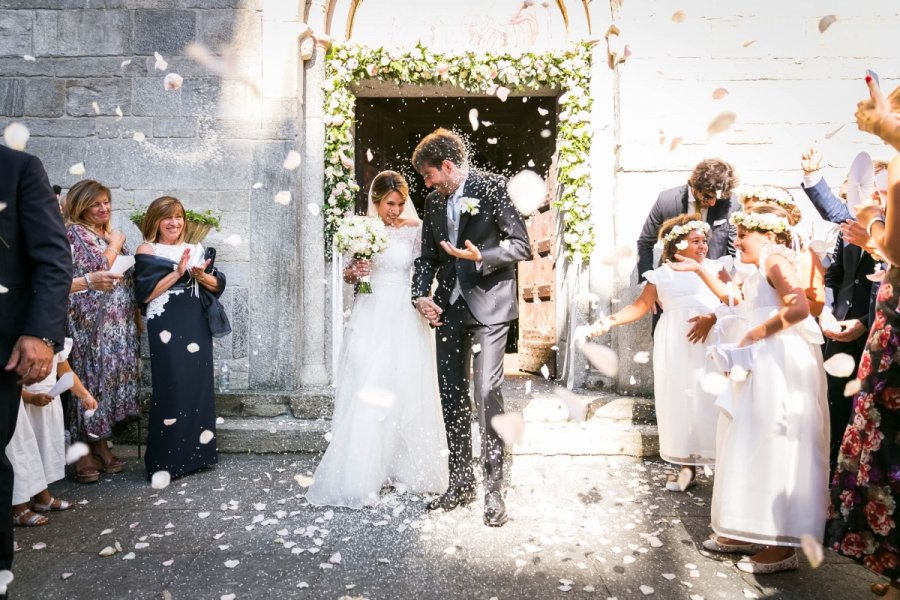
<point x="511" y="136"/>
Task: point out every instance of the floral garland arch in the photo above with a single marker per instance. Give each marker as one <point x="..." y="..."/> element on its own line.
<point x="478" y="72"/>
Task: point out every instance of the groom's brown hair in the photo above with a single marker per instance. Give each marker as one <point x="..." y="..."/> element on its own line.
<point x="438" y="146"/>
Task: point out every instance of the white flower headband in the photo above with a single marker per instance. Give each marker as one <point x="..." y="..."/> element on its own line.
<point x="765" y="193"/>
<point x="760" y="222"/>
<point x="680" y="230"/>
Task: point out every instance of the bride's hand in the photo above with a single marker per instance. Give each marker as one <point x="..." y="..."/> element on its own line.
<point x="360" y="267"/>
<point x="684" y="264"/>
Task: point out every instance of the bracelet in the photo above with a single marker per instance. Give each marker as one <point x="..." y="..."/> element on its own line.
<point x="875" y="220"/>
<point x="87" y="281"/>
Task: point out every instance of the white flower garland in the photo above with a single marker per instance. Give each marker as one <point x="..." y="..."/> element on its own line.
<point x="766" y="193"/>
<point x="486" y="72"/>
<point x="680" y="230"/>
<point x="760" y="222"/>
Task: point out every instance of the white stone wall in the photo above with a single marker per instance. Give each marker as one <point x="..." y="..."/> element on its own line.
<point x="789" y="88"/>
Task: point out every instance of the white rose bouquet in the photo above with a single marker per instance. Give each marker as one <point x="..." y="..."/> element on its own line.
<point x="362" y="238"/>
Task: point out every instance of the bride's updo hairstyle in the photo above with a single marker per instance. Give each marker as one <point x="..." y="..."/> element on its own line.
<point x="387" y="182"/>
<point x="161" y="208"/>
<point x="675" y="230"/>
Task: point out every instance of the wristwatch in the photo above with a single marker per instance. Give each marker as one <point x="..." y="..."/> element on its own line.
<point x="49" y="342"/>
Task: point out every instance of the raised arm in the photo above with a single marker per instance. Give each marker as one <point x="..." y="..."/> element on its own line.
<point x="885" y="229"/>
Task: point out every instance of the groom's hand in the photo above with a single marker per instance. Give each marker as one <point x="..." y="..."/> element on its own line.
<point x="470" y="253"/>
<point x="430" y="310"/>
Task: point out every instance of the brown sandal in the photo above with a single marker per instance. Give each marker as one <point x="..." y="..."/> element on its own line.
<point x="27" y="518"/>
<point x="881" y="589"/>
<point x="115" y="465"/>
<point x="86" y="470"/>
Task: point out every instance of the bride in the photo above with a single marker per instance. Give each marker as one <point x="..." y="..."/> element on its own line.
<point x="387" y="427"/>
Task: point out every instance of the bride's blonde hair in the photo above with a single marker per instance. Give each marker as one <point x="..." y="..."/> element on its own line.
<point x="387" y="182"/>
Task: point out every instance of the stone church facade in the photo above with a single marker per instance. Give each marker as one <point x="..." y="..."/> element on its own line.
<point x="82" y="76"/>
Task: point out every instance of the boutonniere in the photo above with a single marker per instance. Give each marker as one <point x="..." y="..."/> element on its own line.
<point x="469" y="205"/>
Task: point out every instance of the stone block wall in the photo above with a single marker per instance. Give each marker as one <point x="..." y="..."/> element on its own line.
<point x="207" y="143"/>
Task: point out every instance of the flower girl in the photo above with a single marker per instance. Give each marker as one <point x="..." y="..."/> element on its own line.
<point x="685" y="414"/>
<point x="37" y="448"/>
<point x="771" y="484"/>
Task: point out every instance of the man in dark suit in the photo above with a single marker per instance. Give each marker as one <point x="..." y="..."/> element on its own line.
<point x="35" y="277"/>
<point x="854" y="295"/>
<point x="472" y="238"/>
<point x="708" y="193"/>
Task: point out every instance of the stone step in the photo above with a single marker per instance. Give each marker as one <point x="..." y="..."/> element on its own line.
<point x="307" y="403"/>
<point x="591" y="438"/>
<point x="272" y="435"/>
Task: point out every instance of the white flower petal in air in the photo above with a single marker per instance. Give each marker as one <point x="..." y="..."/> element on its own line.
<point x="193" y="347"/>
<point x="232" y="240"/>
<point x="125" y="63"/>
<point x="165" y="336"/>
<point x="714" y="383"/>
<point x="139" y="136"/>
<point x="492" y="140"/>
<point x="77" y="169"/>
<point x="76" y="451"/>
<point x="576" y="405"/>
<point x="16" y="136"/>
<point x="509" y="426"/>
<point x="852" y="388"/>
<point x="602" y="358"/>
<point x="527" y="190"/>
<point x="160" y="64"/>
<point x="292" y="160"/>
<point x="721" y="123"/>
<point x="826" y="22"/>
<point x="257" y="185"/>
<point x="172" y="82"/>
<point x="476" y="348"/>
<point x="345" y="160"/>
<point x="29" y="58"/>
<point x="502" y="93"/>
<point x="530" y="163"/>
<point x="545" y="133"/>
<point x="230" y="564"/>
<point x="119" y="113"/>
<point x="219" y="420"/>
<point x="812" y="549"/>
<point x="618" y="255"/>
<point x="545" y="371"/>
<point x="369" y="155"/>
<point x="678" y="16"/>
<point x="840" y="365"/>
<point x="642" y="357"/>
<point x="719" y="93"/>
<point x="473" y="118"/>
<point x="543" y="111"/>
<point x="314" y="209"/>
<point x="206" y="436"/>
<point x="160" y="480"/>
<point x="168" y="422"/>
<point x="283" y="197"/>
<point x="877" y="276"/>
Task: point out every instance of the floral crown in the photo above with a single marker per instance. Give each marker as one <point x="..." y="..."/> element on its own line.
<point x="681" y="230"/>
<point x="766" y="193"/>
<point x="760" y="222"/>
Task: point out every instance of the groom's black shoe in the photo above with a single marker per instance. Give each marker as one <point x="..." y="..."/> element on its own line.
<point x="495" y="510"/>
<point x="453" y="497"/>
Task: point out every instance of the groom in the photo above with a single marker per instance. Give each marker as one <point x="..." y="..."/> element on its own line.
<point x="472" y="238"/>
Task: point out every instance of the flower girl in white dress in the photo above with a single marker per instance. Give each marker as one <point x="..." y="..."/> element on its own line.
<point x="387" y="426"/>
<point x="771" y="485"/>
<point x="685" y="413"/>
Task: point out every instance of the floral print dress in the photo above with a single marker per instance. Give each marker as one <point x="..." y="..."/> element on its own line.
<point x="866" y="485"/>
<point x="105" y="353"/>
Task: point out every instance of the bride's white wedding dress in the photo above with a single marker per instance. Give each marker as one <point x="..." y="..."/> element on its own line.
<point x="387" y="425"/>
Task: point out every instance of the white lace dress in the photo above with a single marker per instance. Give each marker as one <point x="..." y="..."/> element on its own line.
<point x="772" y="470"/>
<point x="686" y="415"/>
<point x="387" y="425"/>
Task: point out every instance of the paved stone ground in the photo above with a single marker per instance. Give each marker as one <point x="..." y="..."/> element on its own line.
<point x="581" y="527"/>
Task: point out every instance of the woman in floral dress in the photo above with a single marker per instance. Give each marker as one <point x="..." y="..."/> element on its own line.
<point x="104" y="328"/>
<point x="863" y="515"/>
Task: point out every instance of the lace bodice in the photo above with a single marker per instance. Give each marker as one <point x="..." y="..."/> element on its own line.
<point x="394" y="265"/>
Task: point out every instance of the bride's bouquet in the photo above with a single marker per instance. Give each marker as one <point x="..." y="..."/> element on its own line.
<point x="362" y="238"/>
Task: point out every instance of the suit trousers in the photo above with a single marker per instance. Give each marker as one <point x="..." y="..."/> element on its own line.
<point x="455" y="341"/>
<point x="9" y="411"/>
<point x="840" y="407"/>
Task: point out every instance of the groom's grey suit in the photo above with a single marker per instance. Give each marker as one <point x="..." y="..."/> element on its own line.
<point x="482" y="307"/>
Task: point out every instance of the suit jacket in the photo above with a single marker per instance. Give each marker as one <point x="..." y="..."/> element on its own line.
<point x="854" y="295"/>
<point x="35" y="256"/>
<point x="498" y="230"/>
<point x="674" y="202"/>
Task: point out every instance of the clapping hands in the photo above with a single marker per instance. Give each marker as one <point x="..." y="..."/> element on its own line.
<point x="810" y="161"/>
